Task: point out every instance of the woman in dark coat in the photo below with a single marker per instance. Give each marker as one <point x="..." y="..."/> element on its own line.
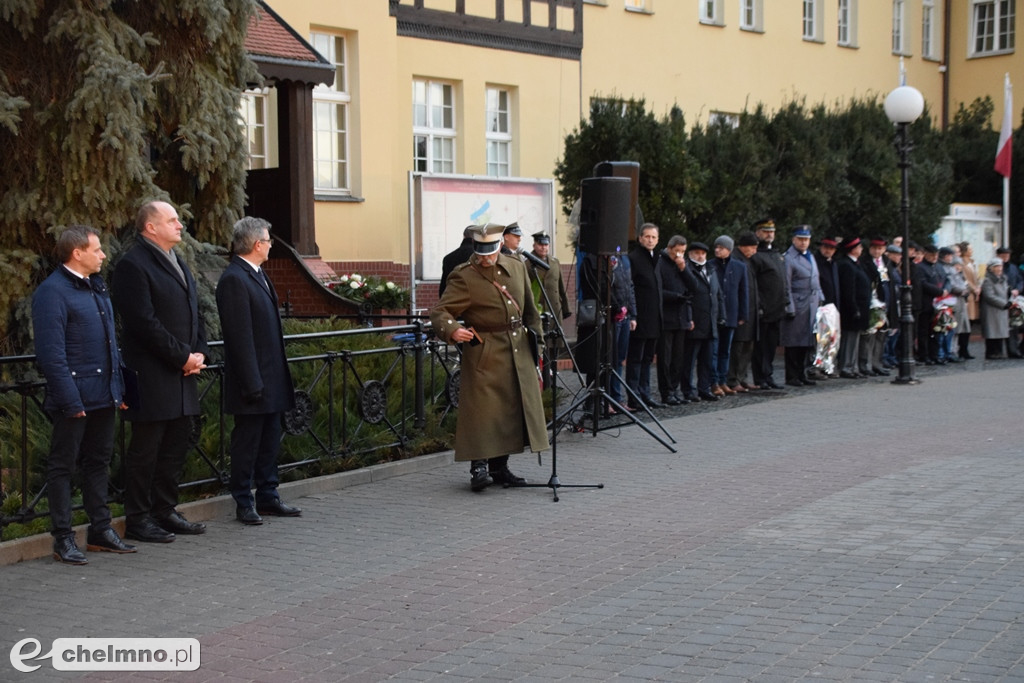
<point x="854" y="306"/>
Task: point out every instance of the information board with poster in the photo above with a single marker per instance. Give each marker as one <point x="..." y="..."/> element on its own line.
<point x="441" y="206"/>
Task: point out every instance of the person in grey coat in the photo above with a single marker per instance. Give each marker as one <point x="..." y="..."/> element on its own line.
<point x="995" y="304"/>
<point x="796" y="333"/>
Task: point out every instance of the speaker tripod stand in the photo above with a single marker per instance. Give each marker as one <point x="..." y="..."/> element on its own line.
<point x="595" y="391"/>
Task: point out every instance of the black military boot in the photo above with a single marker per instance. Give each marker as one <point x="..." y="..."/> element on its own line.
<point x="480" y="479"/>
<point x="501" y="474"/>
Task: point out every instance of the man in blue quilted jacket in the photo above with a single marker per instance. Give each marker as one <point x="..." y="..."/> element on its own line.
<point x="77" y="353"/>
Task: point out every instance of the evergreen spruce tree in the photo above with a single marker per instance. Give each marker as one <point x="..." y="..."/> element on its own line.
<point x="109" y="103"/>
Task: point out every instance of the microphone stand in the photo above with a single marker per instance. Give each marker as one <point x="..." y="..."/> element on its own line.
<point x="538" y="265"/>
<point x="550" y="341"/>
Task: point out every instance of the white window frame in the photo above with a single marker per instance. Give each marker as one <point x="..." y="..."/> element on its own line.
<point x="332" y="143"/>
<point x="929" y="29"/>
<point x="252" y="111"/>
<point x="712" y="12"/>
<point x="812" y="21"/>
<point x="846" y="23"/>
<point x="752" y="15"/>
<point x="499" y="131"/>
<point x="997" y="35"/>
<point x="642" y="6"/>
<point x="435" y="125"/>
<point x="900" y="30"/>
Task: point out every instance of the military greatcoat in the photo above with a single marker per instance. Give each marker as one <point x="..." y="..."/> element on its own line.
<point x="500" y="408"/>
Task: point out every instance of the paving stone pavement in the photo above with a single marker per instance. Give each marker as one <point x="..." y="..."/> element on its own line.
<point x="856" y="531"/>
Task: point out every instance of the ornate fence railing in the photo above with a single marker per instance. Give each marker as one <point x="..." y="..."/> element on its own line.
<point x="361" y="396"/>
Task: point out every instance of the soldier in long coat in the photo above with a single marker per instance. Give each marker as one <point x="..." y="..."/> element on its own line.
<point x="500" y="406"/>
<point x="805" y="293"/>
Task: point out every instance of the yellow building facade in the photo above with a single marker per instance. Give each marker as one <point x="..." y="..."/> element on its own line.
<point x="492" y="87"/>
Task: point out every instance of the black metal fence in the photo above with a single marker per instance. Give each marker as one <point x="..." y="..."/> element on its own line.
<point x="361" y="396"/>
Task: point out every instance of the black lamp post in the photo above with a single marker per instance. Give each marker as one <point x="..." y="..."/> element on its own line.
<point x="903" y="106"/>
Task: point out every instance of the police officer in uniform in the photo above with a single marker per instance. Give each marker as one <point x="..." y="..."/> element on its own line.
<point x="500" y="408"/>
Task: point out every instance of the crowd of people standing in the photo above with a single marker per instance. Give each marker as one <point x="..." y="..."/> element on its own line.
<point x="711" y="320"/>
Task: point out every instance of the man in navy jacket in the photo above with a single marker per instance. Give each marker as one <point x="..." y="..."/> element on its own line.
<point x="164" y="343"/>
<point x="732" y="279"/>
<point x="76" y="351"/>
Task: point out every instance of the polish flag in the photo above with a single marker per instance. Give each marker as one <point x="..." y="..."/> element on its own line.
<point x="1004" y="152"/>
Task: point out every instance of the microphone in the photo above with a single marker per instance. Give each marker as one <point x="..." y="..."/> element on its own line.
<point x="533" y="259"/>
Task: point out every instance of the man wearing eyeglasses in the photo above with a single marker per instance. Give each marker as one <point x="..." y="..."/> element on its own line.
<point x="164" y="346"/>
<point x="257" y="382"/>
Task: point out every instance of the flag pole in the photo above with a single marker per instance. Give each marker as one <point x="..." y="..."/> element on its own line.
<point x="1004" y="155"/>
<point x="1006" y="211"/>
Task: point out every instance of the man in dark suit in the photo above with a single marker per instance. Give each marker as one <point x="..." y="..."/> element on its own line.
<point x="164" y="345"/>
<point x="257" y="381"/>
<point x="643" y="340"/>
<point x="455" y="257"/>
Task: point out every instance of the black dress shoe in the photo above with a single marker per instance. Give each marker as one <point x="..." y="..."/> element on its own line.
<point x="503" y="475"/>
<point x="794" y="383"/>
<point x="849" y="375"/>
<point x="147" y="532"/>
<point x="671" y="401"/>
<point x="880" y="372"/>
<point x="772" y="384"/>
<point x="653" y="403"/>
<point x="277" y="508"/>
<point x="807" y="382"/>
<point x="707" y="396"/>
<point x="108" y="541"/>
<point x="65" y="550"/>
<point x="248" y="516"/>
<point x="177" y="524"/>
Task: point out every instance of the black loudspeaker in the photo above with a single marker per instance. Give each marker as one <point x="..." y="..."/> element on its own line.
<point x="624" y="169"/>
<point x="604" y="214"/>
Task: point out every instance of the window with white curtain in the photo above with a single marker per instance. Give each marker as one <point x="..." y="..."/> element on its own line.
<point x="330" y="119"/>
<point x="433" y="107"/>
<point x="499" y="132"/>
<point x="253" y="112"/>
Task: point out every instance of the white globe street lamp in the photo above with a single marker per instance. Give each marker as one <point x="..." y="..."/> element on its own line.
<point x="903" y="106"/>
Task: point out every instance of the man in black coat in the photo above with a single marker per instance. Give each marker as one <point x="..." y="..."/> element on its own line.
<point x="773" y="297"/>
<point x="828" y="273"/>
<point x="927" y="284"/>
<point x="675" y="299"/>
<point x="164" y="346"/>
<point x="707" y="308"/>
<point x="453" y="258"/>
<point x="854" y="305"/>
<point x="257" y="381"/>
<point x="643" y="341"/>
